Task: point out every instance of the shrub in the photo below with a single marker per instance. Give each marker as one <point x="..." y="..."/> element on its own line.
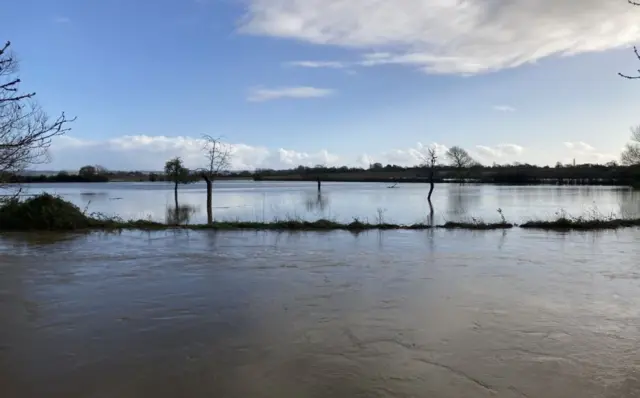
<point x="42" y="212"/>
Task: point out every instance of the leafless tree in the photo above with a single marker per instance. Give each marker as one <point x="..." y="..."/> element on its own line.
<point x="460" y="159"/>
<point x="635" y="50"/>
<point x="631" y="152"/>
<point x="25" y="129"/>
<point x="430" y="160"/>
<point x="218" y="156"/>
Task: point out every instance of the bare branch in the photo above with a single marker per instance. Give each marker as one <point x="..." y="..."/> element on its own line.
<point x="635" y="50"/>
<point x="459" y="157"/>
<point x="218" y="156"/>
<point x="631" y="153"/>
<point x="6" y="46"/>
<point x="26" y="131"/>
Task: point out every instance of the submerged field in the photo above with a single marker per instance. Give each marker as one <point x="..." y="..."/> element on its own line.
<point x="431" y="313"/>
<point x="47" y="212"/>
<point x="343" y="202"/>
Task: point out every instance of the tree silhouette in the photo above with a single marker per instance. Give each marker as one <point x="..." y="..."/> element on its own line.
<point x="635" y="51"/>
<point x="26" y="130"/>
<point x="176" y="173"/>
<point x="218" y="156"/>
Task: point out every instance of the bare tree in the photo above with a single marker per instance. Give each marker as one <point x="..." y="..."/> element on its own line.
<point x="25" y="129"/>
<point x="178" y="174"/>
<point x="430" y="160"/>
<point x="218" y="156"/>
<point x="460" y="159"/>
<point x="631" y="153"/>
<point x="635" y="50"/>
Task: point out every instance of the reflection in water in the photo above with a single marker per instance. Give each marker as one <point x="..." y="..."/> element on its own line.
<point x="407" y="204"/>
<point x="463" y="200"/>
<point x="180" y="215"/>
<point x="317" y="202"/>
<point x="29" y="240"/>
<point x="430" y="219"/>
<point x="629" y="203"/>
<point x="94" y="195"/>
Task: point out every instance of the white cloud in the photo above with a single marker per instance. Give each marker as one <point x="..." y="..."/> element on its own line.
<point x="498" y="151"/>
<point x="585" y="153"/>
<point x="364" y="161"/>
<point x="504" y="108"/>
<point x="264" y="94"/>
<point x="317" y="64"/>
<point x="510" y="149"/>
<point x="409" y="156"/>
<point x="450" y="36"/>
<point x="285" y="159"/>
<point x="143" y="152"/>
<point x="579" y="146"/>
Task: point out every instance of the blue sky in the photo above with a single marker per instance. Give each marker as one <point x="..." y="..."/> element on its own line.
<point x="290" y="82"/>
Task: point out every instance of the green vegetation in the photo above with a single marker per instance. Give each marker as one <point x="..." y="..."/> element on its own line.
<point x="51" y="213"/>
<point x="61" y="177"/>
<point x="476" y="225"/>
<point x="44" y="212"/>
<point x="590" y="221"/>
<point x="514" y="174"/>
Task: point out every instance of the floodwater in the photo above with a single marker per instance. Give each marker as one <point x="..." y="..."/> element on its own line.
<point x="380" y="314"/>
<point x="405" y="204"/>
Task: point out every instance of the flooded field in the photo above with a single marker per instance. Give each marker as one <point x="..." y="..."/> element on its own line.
<point x="391" y="314"/>
<point x="404" y="204"/>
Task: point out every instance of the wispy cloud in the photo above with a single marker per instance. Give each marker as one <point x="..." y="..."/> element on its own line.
<point x="504" y="108"/>
<point x="144" y="152"/>
<point x="460" y="37"/>
<point x="579" y="146"/>
<point x="405" y="156"/>
<point x="259" y="94"/>
<point x="317" y="64"/>
<point x="61" y="20"/>
<point x="498" y="151"/>
<point x="583" y="152"/>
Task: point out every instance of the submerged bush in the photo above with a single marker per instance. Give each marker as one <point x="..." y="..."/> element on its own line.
<point x="42" y="212"/>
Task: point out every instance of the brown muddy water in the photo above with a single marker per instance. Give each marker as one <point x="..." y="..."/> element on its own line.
<point x="392" y="314"/>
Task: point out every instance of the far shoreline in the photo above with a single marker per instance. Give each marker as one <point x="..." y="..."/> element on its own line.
<point x="363" y="181"/>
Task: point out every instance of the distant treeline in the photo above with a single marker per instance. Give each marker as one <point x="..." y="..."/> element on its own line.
<point x="60" y="177"/>
<point x="584" y="174"/>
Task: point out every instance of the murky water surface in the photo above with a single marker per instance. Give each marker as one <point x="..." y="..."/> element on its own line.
<point x="393" y="314"/>
<point x="265" y="201"/>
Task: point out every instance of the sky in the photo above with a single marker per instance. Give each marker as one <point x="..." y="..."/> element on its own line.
<point x="332" y="82"/>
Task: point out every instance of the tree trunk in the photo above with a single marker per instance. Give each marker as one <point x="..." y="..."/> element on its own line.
<point x="209" y="194"/>
<point x="432" y="186"/>
<point x="175" y="195"/>
<point x="430" y="218"/>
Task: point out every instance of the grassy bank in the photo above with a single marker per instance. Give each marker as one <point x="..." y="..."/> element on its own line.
<point x="51" y="213"/>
